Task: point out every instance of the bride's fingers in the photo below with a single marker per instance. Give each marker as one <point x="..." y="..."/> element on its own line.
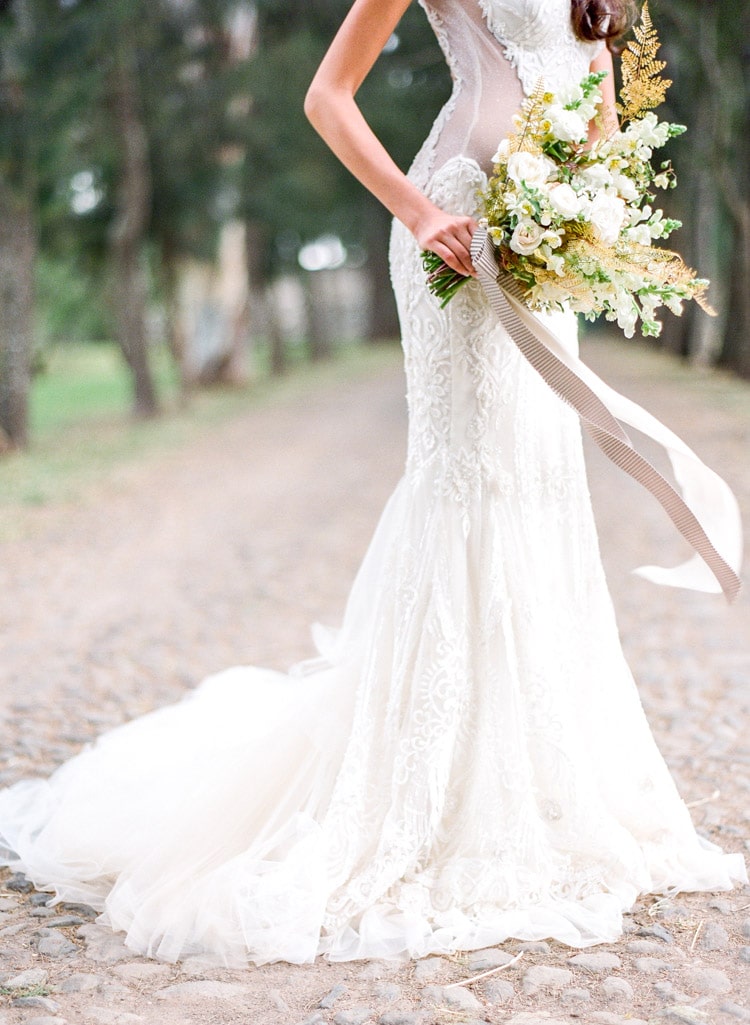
<point x="454" y="257"/>
<point x="459" y="247"/>
<point x="460" y="244"/>
<point x="451" y="241"/>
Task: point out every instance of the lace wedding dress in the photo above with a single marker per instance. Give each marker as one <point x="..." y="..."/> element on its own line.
<point x="468" y="759"/>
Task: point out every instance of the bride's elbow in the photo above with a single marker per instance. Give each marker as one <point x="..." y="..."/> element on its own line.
<point x="315" y="104"/>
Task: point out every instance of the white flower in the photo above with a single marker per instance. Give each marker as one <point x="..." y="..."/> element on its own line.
<point x="569" y="93"/>
<point x="596" y="177"/>
<point x="526" y="238"/>
<point x="554" y="261"/>
<point x="648" y="130"/>
<point x="567" y="125"/>
<point x="626" y="311"/>
<point x="553" y="239"/>
<point x="530" y="169"/>
<point x="607" y="216"/>
<point x="625" y="186"/>
<point x="502" y="153"/>
<point x="564" y="200"/>
<point x="518" y="203"/>
<point x="640" y="234"/>
<point x="656" y="225"/>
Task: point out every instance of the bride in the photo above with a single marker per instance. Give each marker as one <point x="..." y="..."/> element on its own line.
<point x="467" y="760"/>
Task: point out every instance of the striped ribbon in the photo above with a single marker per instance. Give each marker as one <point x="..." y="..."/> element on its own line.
<point x="601" y="424"/>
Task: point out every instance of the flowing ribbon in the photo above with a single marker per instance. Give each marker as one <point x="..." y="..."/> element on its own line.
<point x="706" y="505"/>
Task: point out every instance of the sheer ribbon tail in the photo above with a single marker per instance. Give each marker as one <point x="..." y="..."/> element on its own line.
<point x="702" y="507"/>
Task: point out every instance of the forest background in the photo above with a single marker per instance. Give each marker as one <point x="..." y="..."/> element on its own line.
<point x="161" y="193"/>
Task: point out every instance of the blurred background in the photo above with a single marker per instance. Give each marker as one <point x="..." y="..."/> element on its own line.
<point x="169" y="223"/>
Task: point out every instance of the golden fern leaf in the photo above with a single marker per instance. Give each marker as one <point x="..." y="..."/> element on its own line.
<point x="643" y="86"/>
<point x="528" y="123"/>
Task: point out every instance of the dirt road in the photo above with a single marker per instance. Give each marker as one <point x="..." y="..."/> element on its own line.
<point x="224" y="552"/>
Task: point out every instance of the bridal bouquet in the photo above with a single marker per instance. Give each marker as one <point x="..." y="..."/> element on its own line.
<point x="575" y="223"/>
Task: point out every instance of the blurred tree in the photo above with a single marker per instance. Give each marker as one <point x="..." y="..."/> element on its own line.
<point x="126" y="106"/>
<point x="709" y="59"/>
<point x="17" y="226"/>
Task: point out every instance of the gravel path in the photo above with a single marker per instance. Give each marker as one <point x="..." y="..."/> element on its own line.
<point x="224" y="552"/>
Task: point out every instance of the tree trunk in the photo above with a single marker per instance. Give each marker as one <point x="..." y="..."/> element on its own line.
<point x="128" y="231"/>
<point x="318" y="330"/>
<point x="17" y="249"/>
<point x="263" y="322"/>
<point x="383" y="320"/>
<point x="176" y="340"/>
<point x="735" y="353"/>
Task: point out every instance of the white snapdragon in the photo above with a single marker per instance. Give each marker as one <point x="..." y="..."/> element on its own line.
<point x="626" y="311"/>
<point x="518" y="204"/>
<point x="649" y="130"/>
<point x="553" y="261"/>
<point x="553" y="239"/>
<point x="625" y="186"/>
<point x="659" y="227"/>
<point x="640" y="234"/>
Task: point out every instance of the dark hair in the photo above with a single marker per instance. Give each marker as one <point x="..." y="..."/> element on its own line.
<point x="602" y="19"/>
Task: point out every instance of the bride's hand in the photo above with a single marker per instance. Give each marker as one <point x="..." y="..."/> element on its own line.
<point x="449" y="236"/>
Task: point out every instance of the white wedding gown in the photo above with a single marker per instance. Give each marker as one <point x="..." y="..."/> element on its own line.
<point x="468" y="759"/>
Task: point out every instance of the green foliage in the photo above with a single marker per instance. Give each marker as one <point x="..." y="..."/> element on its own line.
<point x="66" y="63"/>
<point x="69" y="305"/>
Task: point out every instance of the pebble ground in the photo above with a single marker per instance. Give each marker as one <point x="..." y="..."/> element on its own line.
<point x="224" y="552"/>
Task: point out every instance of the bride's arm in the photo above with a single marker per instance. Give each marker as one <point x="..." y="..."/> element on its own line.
<point x="608" y="109"/>
<point x="331" y="108"/>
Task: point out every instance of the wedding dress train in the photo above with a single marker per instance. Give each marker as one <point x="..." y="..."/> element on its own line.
<point x="467" y="760"/>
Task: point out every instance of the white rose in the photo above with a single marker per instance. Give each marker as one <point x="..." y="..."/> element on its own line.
<point x="525" y="167"/>
<point x="596" y="177"/>
<point x="502" y="153"/>
<point x="564" y="200"/>
<point x="567" y="125"/>
<point x="526" y="238"/>
<point x="607" y="216"/>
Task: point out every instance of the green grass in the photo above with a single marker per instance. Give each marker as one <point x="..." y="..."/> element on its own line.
<point x="25" y="991"/>
<point x="84" y="438"/>
<point x="81" y="382"/>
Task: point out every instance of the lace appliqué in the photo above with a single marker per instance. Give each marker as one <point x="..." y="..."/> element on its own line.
<point x="538" y="39"/>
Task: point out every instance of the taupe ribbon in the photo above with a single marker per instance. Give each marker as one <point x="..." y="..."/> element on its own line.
<point x="601" y="424"/>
